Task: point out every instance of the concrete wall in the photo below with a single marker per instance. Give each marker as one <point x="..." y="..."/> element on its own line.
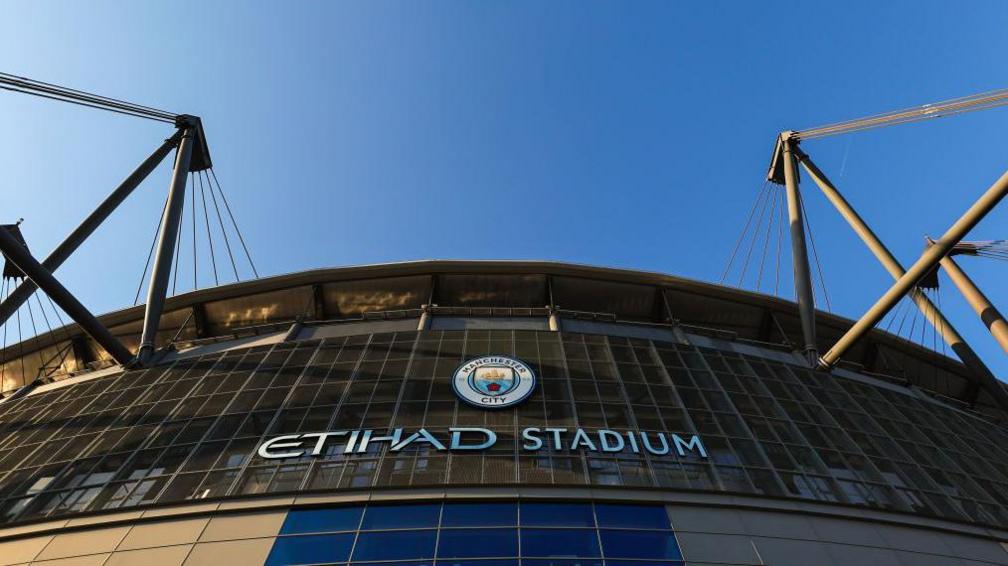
<point x="712" y="530"/>
<point x="189" y="535"/>
<point x="711" y="536"/>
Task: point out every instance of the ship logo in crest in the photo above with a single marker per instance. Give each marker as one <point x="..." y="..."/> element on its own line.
<point x="493" y="382"/>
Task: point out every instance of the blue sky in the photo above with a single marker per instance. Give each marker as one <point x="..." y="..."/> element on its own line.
<point x="595" y="132"/>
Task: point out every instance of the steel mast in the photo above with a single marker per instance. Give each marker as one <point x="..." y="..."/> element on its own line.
<point x="192" y="154"/>
<point x="781" y="172"/>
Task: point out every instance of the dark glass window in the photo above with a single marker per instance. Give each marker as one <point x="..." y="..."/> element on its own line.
<point x="556" y="562"/>
<point x="479" y="514"/>
<point x="478" y="543"/>
<point x="631" y="516"/>
<point x="312" y="549"/>
<point x="611" y="562"/>
<point x="400" y="516"/>
<point x="322" y="520"/>
<point x="395" y="545"/>
<point x="770" y="428"/>
<point x="557" y="515"/>
<point x="559" y="543"/>
<point x="451" y="562"/>
<point x="639" y="544"/>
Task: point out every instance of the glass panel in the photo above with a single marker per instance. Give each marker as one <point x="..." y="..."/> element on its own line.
<point x="479" y="515"/>
<point x="477" y="543"/>
<point x="400" y="516"/>
<point x="559" y="543"/>
<point x="642" y="563"/>
<point x="555" y="562"/>
<point x="400" y="563"/>
<point x="469" y="563"/>
<point x="395" y="545"/>
<point x="638" y="544"/>
<point x="639" y="516"/>
<point x="309" y="549"/>
<point x="322" y="520"/>
<point x="557" y="514"/>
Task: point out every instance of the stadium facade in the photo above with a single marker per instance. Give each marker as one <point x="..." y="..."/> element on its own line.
<point x="490" y="413"/>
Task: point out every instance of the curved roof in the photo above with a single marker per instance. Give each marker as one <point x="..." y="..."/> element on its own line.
<point x="488" y="289"/>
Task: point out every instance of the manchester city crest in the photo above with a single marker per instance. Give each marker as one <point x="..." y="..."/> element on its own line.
<point x="493" y="382"/>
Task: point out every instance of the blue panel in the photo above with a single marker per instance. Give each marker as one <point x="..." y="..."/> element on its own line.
<point x="479" y="515"/>
<point x="464" y="562"/>
<point x="478" y="543"/>
<point x="640" y="563"/>
<point x="322" y="520"/>
<point x="559" y="543"/>
<point x="610" y="562"/>
<point x="395" y="545"/>
<point x="308" y="550"/>
<point x="406" y="563"/>
<point x="632" y="516"/>
<point x="639" y="544"/>
<point x="560" y="562"/>
<point x="401" y="516"/>
<point x="557" y="515"/>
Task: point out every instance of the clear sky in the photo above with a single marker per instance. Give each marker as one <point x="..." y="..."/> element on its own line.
<point x="631" y="135"/>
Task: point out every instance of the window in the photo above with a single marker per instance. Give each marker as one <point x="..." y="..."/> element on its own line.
<point x="395" y="545"/>
<point x="479" y="515"/>
<point x="560" y="543"/>
<point x="479" y="534"/>
<point x="400" y="516"/>
<point x="631" y="516"/>
<point x="477" y="543"/>
<point x="639" y="544"/>
<point x="310" y="549"/>
<point x="322" y="520"/>
<point x="557" y="514"/>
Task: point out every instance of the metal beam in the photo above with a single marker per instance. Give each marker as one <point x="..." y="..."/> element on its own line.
<point x="985" y="309"/>
<point x="799" y="253"/>
<point x="931" y="313"/>
<point x="18" y="254"/>
<point x="318" y="302"/>
<point x="928" y="260"/>
<point x="89" y="225"/>
<point x="166" y="247"/>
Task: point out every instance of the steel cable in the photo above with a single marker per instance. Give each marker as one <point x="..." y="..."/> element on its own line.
<point x="206" y="219"/>
<point x="3" y="363"/>
<point x="150" y="254"/>
<point x="980" y="101"/>
<point x="32" y="87"/>
<point x="178" y="248"/>
<point x="88" y="105"/>
<point x="766" y="241"/>
<point x="35" y="336"/>
<point x="237" y="230"/>
<point x="745" y="229"/>
<point x="815" y="254"/>
<point x="764" y="199"/>
<point x="220" y="220"/>
<point x="63" y="351"/>
<point x="899" y="331"/>
<point x="84" y="93"/>
<point x="21" y="346"/>
<point x="195" y="275"/>
<point x="780" y="240"/>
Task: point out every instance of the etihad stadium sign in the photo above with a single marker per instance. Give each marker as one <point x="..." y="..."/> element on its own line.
<point x="488" y="382"/>
<point x="465" y="439"/>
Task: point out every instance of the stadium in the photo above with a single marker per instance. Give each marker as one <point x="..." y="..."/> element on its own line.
<point x="164" y="465"/>
<point x="492" y="413"/>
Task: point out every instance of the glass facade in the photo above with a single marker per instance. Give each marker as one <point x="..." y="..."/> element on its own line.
<point x="189" y="430"/>
<point x="479" y="533"/>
